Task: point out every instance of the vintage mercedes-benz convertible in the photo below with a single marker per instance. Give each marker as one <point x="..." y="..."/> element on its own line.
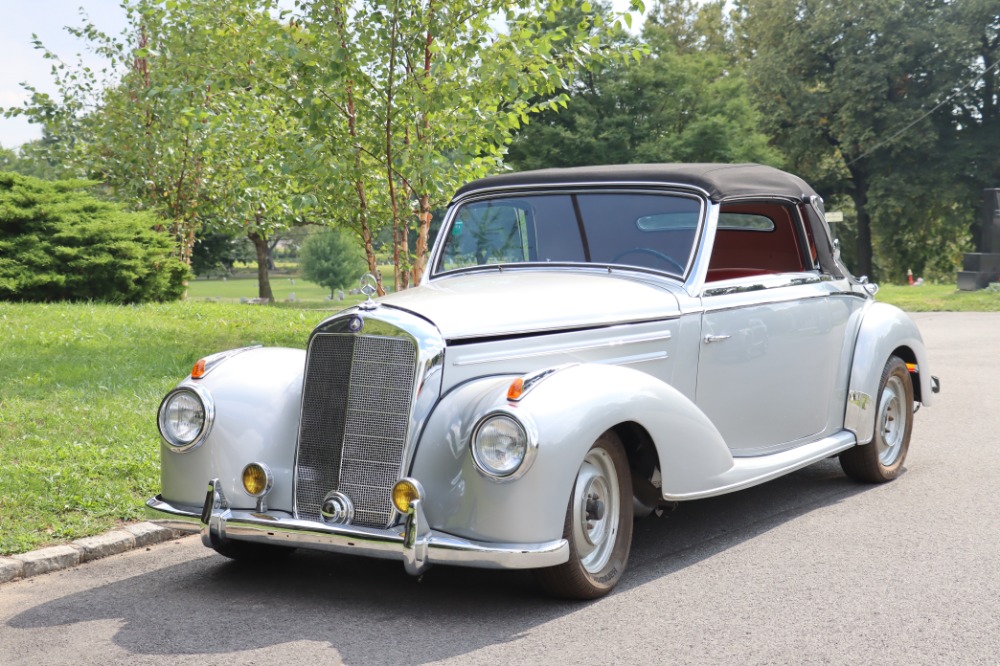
<point x="586" y="346"/>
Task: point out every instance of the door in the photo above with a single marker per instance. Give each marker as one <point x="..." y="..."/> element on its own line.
<point x="770" y="361"/>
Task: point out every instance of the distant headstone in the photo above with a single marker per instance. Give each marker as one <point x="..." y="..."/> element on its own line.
<point x="983" y="267"/>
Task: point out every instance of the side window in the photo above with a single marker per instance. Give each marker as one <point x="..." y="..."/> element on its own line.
<point x="756" y="239"/>
<point x="810" y="240"/>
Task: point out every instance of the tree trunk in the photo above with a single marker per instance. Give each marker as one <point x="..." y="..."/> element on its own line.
<point x="864" y="238"/>
<point x="423" y="232"/>
<point x="859" y="193"/>
<point x="263" y="280"/>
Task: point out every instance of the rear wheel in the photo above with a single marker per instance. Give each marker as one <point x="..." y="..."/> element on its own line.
<point x="598" y="525"/>
<point x="882" y="459"/>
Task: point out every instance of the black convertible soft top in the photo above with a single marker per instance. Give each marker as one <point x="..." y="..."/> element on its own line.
<point x="721" y="181"/>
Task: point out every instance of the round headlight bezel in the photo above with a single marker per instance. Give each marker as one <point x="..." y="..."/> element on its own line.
<point x="175" y="444"/>
<point x="527" y="432"/>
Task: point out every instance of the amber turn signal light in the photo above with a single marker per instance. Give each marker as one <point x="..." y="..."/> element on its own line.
<point x="404" y="493"/>
<point x="257" y="479"/>
<point x="198" y="371"/>
<point x="516" y="389"/>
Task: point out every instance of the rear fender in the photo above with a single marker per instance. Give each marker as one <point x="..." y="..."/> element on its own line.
<point x="885" y="330"/>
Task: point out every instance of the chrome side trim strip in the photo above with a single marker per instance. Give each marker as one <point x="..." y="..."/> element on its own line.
<point x="641" y="358"/>
<point x="493" y="358"/>
<point x="215" y="360"/>
<point x="759" y="286"/>
<point x="539" y="332"/>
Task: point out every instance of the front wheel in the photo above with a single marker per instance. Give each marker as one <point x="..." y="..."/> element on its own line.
<point x="882" y="459"/>
<point x="598" y="525"/>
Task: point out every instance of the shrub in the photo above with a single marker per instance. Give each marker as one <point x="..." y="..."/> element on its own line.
<point x="333" y="259"/>
<point x="59" y="243"/>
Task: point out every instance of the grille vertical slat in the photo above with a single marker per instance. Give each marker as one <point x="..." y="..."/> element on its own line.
<point x="355" y="410"/>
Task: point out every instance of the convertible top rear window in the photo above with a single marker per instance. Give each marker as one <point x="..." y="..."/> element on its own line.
<point x="645" y="229"/>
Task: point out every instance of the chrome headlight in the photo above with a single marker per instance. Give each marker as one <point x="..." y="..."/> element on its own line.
<point x="186" y="417"/>
<point x="503" y="445"/>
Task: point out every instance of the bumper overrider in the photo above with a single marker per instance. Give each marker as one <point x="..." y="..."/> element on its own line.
<point x="413" y="542"/>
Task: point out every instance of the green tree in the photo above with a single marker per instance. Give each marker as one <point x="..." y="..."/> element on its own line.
<point x="333" y="259"/>
<point x="57" y="242"/>
<point x="685" y="100"/>
<point x="33" y="159"/>
<point x="975" y="115"/>
<point x="406" y="100"/>
<point x="217" y="251"/>
<point x="182" y="130"/>
<point x="847" y="90"/>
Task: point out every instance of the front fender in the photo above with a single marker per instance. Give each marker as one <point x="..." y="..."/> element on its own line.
<point x="570" y="409"/>
<point x="257" y="395"/>
<point x="885" y="330"/>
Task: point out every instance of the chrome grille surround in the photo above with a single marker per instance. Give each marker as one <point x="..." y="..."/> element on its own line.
<point x="365" y="397"/>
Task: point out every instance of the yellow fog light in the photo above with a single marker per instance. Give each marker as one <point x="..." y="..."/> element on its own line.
<point x="257" y="479"/>
<point x="404" y="493"/>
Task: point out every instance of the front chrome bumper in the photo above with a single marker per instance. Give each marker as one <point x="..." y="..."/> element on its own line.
<point x="414" y="543"/>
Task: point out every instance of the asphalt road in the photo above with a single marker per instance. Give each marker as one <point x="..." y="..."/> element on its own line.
<point x="808" y="569"/>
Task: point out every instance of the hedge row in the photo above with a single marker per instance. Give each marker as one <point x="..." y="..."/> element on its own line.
<point x="60" y="243"/>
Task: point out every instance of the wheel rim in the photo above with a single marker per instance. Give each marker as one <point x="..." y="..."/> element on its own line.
<point x="596" y="510"/>
<point x="891" y="421"/>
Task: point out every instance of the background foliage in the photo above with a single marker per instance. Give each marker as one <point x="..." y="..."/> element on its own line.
<point x="333" y="259"/>
<point x="82" y="382"/>
<point x="253" y="117"/>
<point x="58" y="242"/>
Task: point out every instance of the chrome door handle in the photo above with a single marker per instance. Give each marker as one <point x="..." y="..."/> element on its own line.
<point x="709" y="339"/>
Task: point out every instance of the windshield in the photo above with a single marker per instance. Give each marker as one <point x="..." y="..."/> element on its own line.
<point x="644" y="229"/>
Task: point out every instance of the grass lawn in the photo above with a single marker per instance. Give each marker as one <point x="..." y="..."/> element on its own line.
<point x="939" y="298"/>
<point x="79" y="448"/>
<point x="231" y="290"/>
<point x="80" y="385"/>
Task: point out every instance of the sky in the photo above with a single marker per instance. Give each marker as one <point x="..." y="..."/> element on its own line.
<point x="20" y="61"/>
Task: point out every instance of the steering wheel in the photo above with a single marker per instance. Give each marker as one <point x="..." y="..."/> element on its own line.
<point x="656" y="253"/>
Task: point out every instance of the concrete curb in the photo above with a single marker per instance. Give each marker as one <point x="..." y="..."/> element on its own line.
<point x="56" y="558"/>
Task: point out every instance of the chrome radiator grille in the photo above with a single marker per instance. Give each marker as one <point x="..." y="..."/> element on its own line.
<point x="355" y="409"/>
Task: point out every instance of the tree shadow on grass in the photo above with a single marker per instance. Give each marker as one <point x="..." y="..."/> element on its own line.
<point x="372" y="612"/>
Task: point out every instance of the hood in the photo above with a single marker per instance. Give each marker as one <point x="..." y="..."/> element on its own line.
<point x="508" y="303"/>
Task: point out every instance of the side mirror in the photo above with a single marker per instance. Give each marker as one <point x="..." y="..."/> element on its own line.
<point x="869" y="287"/>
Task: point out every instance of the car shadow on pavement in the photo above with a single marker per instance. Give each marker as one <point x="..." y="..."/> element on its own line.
<point x="372" y="612"/>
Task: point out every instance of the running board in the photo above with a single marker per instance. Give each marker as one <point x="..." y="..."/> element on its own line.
<point x="747" y="472"/>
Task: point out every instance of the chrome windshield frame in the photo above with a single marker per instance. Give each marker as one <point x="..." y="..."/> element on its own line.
<point x="687" y="191"/>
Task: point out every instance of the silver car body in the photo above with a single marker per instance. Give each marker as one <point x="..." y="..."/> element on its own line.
<point x="724" y="383"/>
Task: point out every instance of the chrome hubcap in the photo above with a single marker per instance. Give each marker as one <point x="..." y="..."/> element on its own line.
<point x="595" y="510"/>
<point x="891" y="421"/>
